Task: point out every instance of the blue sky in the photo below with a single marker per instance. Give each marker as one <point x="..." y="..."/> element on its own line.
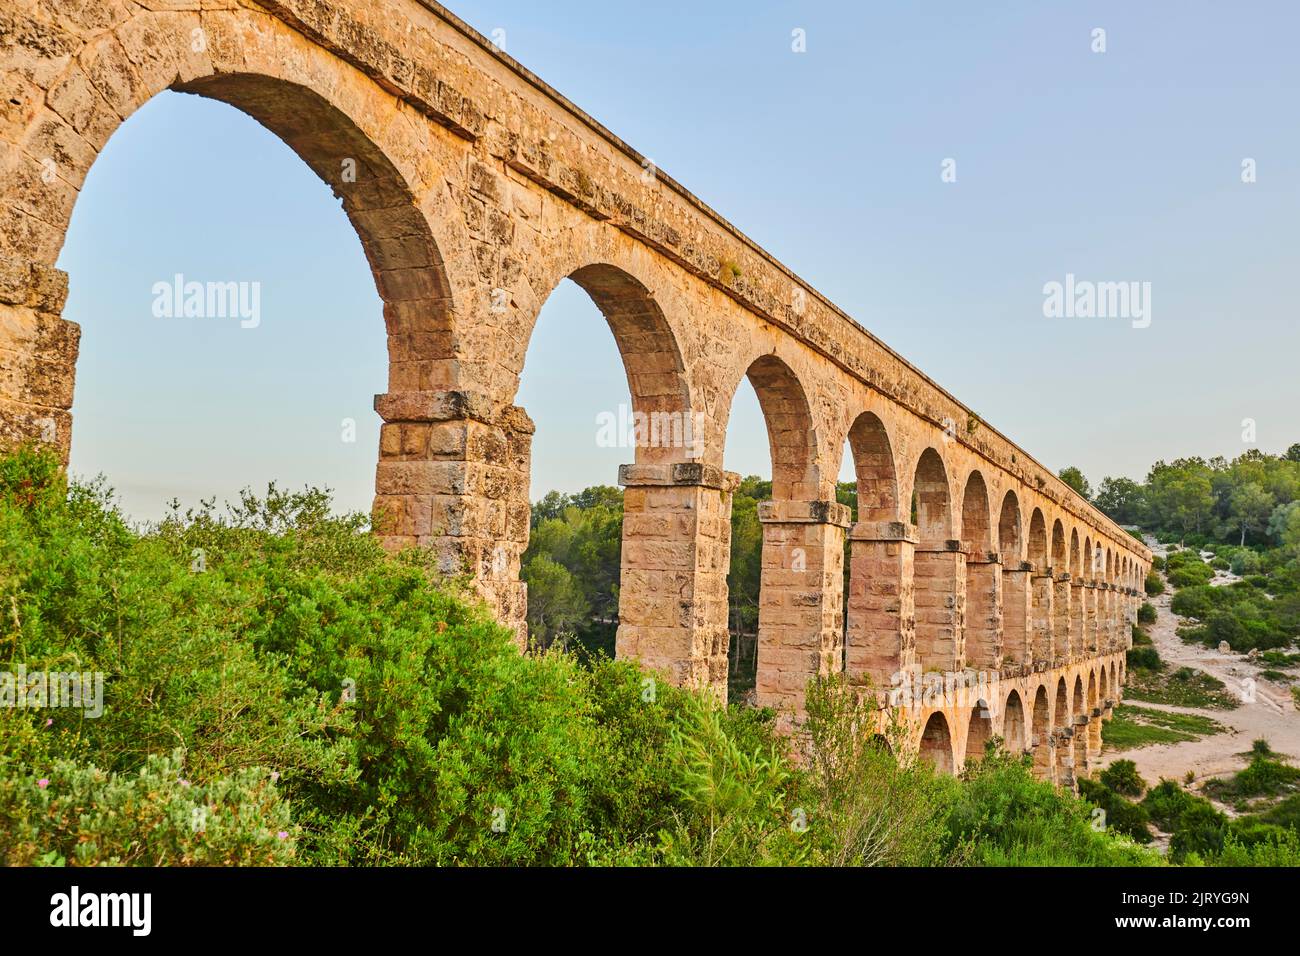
<point x="1122" y="165"/>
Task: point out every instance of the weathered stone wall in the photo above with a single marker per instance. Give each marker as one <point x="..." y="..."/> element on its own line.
<point x="478" y="189"/>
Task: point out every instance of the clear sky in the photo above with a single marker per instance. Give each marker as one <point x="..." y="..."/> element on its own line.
<point x="1117" y="166"/>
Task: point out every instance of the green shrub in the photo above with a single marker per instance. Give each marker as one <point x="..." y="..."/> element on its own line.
<point x="1201" y="830"/>
<point x="1277" y="848"/>
<point x="1004" y="817"/>
<point x="1155" y="584"/>
<point x="1144" y="658"/>
<point x="1119" y="815"/>
<point x="1122" y="777"/>
<point x="868" y="808"/>
<point x="1244" y="562"/>
<point x="1146" y="613"/>
<point x="735" y="807"/>
<point x="79" y="815"/>
<point x="1190" y="575"/>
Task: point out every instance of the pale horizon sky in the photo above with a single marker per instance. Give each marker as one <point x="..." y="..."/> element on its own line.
<point x="1115" y="166"/>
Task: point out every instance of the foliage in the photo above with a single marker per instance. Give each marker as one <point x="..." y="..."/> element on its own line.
<point x="79" y="815"/>
<point x="334" y="704"/>
<point x="572" y="567"/>
<point x="1122" y="777"/>
<point x="1002" y="816"/>
<point x="1121" y="816"/>
<point x="1144" y="657"/>
<point x="735" y="807"/>
<point x="1073" y="477"/>
<point x="871" y="809"/>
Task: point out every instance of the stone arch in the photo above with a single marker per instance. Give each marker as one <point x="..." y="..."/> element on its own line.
<point x="797" y="561"/>
<point x="1038" y="540"/>
<point x="1013" y="723"/>
<point x="791" y="435"/>
<point x="1062" y="643"/>
<point x="1041" y="631"/>
<point x="1041" y="725"/>
<point x="1074" y="591"/>
<point x="1061" y="713"/>
<point x="662" y="432"/>
<point x="939" y="581"/>
<point x="1089" y="561"/>
<point x="936" y="744"/>
<point x="979" y="731"/>
<point x="1083" y="731"/>
<point x="873" y="466"/>
<point x="1015" y="583"/>
<point x="976" y="533"/>
<point x="665" y="430"/>
<point x="1062" y="725"/>
<point x="983" y="580"/>
<point x="878" y="634"/>
<point x="1010" y="544"/>
<point x="1104" y="684"/>
<point x="931" y="498"/>
<point x="296" y="90"/>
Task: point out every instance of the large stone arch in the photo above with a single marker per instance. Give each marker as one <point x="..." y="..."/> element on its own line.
<point x="1016" y="591"/>
<point x="800" y="614"/>
<point x="939" y="569"/>
<point x="1013" y="724"/>
<point x="1077" y="595"/>
<point x="1060" y="557"/>
<point x="667" y="428"/>
<point x="931" y="498"/>
<point x="880" y="638"/>
<point x="1041" y="729"/>
<point x="1062" y="728"/>
<point x="330" y="115"/>
<point x="1063" y="636"/>
<point x="874" y="469"/>
<point x="791" y="430"/>
<point x="1041" y="589"/>
<point x="983" y="578"/>
<point x="979" y="731"/>
<point x="1094" y="715"/>
<point x="1010" y="539"/>
<point x="662" y="515"/>
<point x="936" y="747"/>
<point x="1082" y="727"/>
<point x="1037" y="540"/>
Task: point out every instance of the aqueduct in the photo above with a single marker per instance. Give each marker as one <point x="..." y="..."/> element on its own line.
<point x="985" y="597"/>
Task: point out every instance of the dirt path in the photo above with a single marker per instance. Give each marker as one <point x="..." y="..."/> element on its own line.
<point x="1267" y="710"/>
